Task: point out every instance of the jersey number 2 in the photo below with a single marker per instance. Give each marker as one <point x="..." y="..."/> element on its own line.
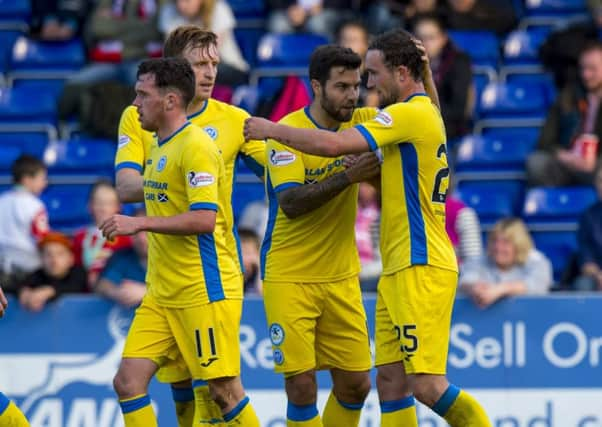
<point x="442" y="173"/>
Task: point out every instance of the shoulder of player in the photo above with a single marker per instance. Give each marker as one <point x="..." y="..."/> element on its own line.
<point x="297" y="118"/>
<point x="231" y="110"/>
<point x="129" y="113"/>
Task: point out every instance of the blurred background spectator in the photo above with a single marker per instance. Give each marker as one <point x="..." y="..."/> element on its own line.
<point x="123" y="278"/>
<point x="416" y="8"/>
<point x="58" y="274"/>
<point x="249" y="246"/>
<point x="512" y="266"/>
<point x="451" y="72"/>
<point x="23" y="221"/>
<point x="54" y="20"/>
<point x="91" y="249"/>
<point x="568" y="144"/>
<point x="464" y="230"/>
<point x="367" y="235"/>
<point x="212" y="15"/>
<point x="589" y="248"/>
<point x="312" y="16"/>
<point x="488" y="15"/>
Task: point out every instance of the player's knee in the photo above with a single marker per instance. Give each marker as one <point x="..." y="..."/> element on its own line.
<point x="226" y="392"/>
<point x="124" y="385"/>
<point x="302" y="389"/>
<point x="354" y="389"/>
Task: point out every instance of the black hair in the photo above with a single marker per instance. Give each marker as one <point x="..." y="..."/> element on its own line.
<point x="173" y="73"/>
<point x="324" y="58"/>
<point x="398" y="48"/>
<point x="26" y="165"/>
<point x="437" y="18"/>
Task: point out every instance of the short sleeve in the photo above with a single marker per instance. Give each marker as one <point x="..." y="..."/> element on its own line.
<point x="285" y="166"/>
<point x="202" y="165"/>
<point x="130" y="146"/>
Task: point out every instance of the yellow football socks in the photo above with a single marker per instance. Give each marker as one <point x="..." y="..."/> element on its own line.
<point x="138" y="412"/>
<point x="341" y="414"/>
<point x="10" y="414"/>
<point x="243" y="414"/>
<point x="184" y="401"/>
<point x="460" y="409"/>
<point x="395" y="413"/>
<point x="207" y="412"/>
<point x="303" y="416"/>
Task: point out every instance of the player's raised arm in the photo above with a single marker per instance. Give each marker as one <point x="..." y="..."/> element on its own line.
<point x="427" y="75"/>
<point x="312" y="141"/>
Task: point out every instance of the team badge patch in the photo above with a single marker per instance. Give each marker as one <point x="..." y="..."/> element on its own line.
<point x="282" y="158"/>
<point x="384" y="118"/>
<point x="200" y="179"/>
<point x="122" y="141"/>
<point x="211" y="131"/>
<point x="276" y="334"/>
<point x="161" y="163"/>
<point x="278" y="357"/>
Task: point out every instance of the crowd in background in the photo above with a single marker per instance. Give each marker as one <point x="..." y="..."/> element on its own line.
<point x="38" y="264"/>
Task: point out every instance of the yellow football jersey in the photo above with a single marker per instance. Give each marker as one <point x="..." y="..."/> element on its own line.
<point x="183" y="173"/>
<point x="223" y="123"/>
<point x="318" y="246"/>
<point x="414" y="181"/>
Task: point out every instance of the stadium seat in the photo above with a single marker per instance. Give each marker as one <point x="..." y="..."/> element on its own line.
<point x="244" y="9"/>
<point x="555" y="7"/>
<point x="556" y="208"/>
<point x="7" y="40"/>
<point x="39" y="58"/>
<point x="512" y="101"/>
<point x="522" y="76"/>
<point x="52" y="86"/>
<point x="504" y="155"/>
<point x="246" y="97"/>
<point x="67" y="206"/>
<point x="522" y="46"/>
<point x="248" y="40"/>
<point x="15" y="144"/>
<point x="30" y="105"/>
<point x="492" y="200"/>
<point x="86" y="158"/>
<point x="15" y="10"/>
<point x="558" y="246"/>
<point x="520" y="135"/>
<point x="483" y="47"/>
<point x="284" y="54"/>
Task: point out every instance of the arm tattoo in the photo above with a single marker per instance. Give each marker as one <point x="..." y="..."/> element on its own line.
<point x="298" y="201"/>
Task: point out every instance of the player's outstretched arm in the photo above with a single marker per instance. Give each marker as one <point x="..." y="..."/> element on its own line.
<point x="3" y="303"/>
<point x="128" y="183"/>
<point x="427" y="75"/>
<point x="312" y="141"/>
<point x="300" y="200"/>
<point x="194" y="222"/>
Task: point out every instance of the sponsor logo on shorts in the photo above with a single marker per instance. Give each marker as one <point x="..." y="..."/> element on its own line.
<point x="161" y="163"/>
<point x="122" y="141"/>
<point x="276" y="334"/>
<point x="208" y="362"/>
<point x="282" y="158"/>
<point x="384" y="118"/>
<point x="211" y="131"/>
<point x="278" y="357"/>
<point x="200" y="179"/>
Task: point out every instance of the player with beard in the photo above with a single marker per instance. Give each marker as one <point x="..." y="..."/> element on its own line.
<point x="314" y="305"/>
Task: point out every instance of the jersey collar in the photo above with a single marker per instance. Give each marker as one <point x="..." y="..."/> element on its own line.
<point x="409" y="98"/>
<point x="201" y="111"/>
<point x="308" y="114"/>
<point x="166" y="140"/>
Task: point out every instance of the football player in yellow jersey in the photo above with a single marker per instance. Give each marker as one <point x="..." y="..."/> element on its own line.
<point x="417" y="289"/>
<point x="10" y="414"/>
<point x="223" y="123"/>
<point x="193" y="280"/>
<point x="309" y="258"/>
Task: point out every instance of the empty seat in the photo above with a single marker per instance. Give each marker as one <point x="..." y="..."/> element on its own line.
<point x="67" y="206"/>
<point x="483" y="47"/>
<point x="87" y="157"/>
<point x="520" y="135"/>
<point x="11" y="10"/>
<point x="248" y="8"/>
<point x="248" y="40"/>
<point x="522" y="46"/>
<point x="51" y="86"/>
<point x="556" y="208"/>
<point x="516" y="75"/>
<point x="42" y="57"/>
<point x="558" y="246"/>
<point x="555" y="7"/>
<point x="492" y="200"/>
<point x="246" y="97"/>
<point x="7" y="41"/>
<point x="23" y="104"/>
<point x="33" y="143"/>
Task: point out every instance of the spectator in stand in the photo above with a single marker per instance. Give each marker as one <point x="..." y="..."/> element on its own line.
<point x="215" y="16"/>
<point x="23" y="221"/>
<point x="512" y="266"/>
<point x="355" y="36"/>
<point x="254" y="217"/>
<point x="452" y="74"/>
<point x="487" y="15"/>
<point x="366" y="235"/>
<point x="249" y="246"/>
<point x="123" y="278"/>
<point x="57" y="276"/>
<point x="91" y="249"/>
<point x="464" y="230"/>
<point x="589" y="248"/>
<point x="568" y="142"/>
<point x="312" y="16"/>
<point x="55" y="20"/>
<point x="416" y="8"/>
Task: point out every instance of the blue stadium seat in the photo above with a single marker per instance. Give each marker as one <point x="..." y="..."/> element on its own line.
<point x="248" y="40"/>
<point x="83" y="157"/>
<point x="67" y="206"/>
<point x="558" y="246"/>
<point x="543" y="80"/>
<point x="15" y="144"/>
<point x="502" y="154"/>
<point x="8" y="154"/>
<point x="14" y="10"/>
<point x="555" y="7"/>
<point x="247" y="97"/>
<point x="512" y="100"/>
<point x="30" y="105"/>
<point x="483" y="47"/>
<point x="7" y="40"/>
<point x="492" y="200"/>
<point x="556" y="208"/>
<point x="248" y="8"/>
<point x="245" y="193"/>
<point x="39" y="56"/>
<point x="520" y="135"/>
<point x="51" y="86"/>
<point x="522" y="46"/>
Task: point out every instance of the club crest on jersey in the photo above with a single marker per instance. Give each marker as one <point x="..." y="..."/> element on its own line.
<point x="276" y="334"/>
<point x="211" y="131"/>
<point x="278" y="357"/>
<point x="200" y="179"/>
<point x="281" y="158"/>
<point x="122" y="141"/>
<point x="384" y="118"/>
<point x="161" y="163"/>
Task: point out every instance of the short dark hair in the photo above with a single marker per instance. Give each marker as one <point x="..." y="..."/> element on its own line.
<point x="437" y="18"/>
<point x="590" y="46"/>
<point x="26" y="165"/>
<point x="324" y="58"/>
<point x="352" y="23"/>
<point x="175" y="73"/>
<point x="399" y="49"/>
<point x="187" y="36"/>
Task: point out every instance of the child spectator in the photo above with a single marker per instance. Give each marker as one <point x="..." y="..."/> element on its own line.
<point x="512" y="266"/>
<point x="464" y="230"/>
<point x="91" y="249"/>
<point x="123" y="278"/>
<point x="23" y="221"/>
<point x="249" y="245"/>
<point x="57" y="276"/>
